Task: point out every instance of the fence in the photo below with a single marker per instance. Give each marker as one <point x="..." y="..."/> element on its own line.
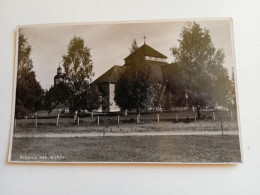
<point x="114" y="119"/>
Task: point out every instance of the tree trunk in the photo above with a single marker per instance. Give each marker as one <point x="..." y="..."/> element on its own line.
<point x="138" y="117"/>
<point x="198" y="111"/>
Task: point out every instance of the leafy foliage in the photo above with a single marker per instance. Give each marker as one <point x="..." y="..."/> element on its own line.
<point x="134" y="46"/>
<point x="135" y="89"/>
<point x="76" y="93"/>
<point x="204" y="78"/>
<point x="29" y="94"/>
<point x="77" y="62"/>
<point x="57" y="96"/>
<point x="84" y="97"/>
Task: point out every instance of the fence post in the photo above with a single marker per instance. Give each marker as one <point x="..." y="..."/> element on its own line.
<point x="214" y="117"/>
<point x="195" y="118"/>
<point x="221" y="124"/>
<point x="138" y="116"/>
<point x="78" y="120"/>
<point x="75" y="118"/>
<point x="104" y="132"/>
<point x="118" y="119"/>
<point x="177" y="117"/>
<point x="92" y="114"/>
<point x="57" y="121"/>
<point x="36" y="121"/>
<point x="231" y="115"/>
<point x="158" y="118"/>
<point x="98" y="119"/>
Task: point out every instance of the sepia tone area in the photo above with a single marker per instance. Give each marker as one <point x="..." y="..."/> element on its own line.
<point x="146" y="106"/>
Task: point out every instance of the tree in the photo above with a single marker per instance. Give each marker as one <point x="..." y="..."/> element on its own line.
<point x="134" y="46"/>
<point x="232" y="92"/>
<point x="29" y="94"/>
<point x="204" y="79"/>
<point x="79" y="72"/>
<point x="77" y="62"/>
<point x="57" y="96"/>
<point x="135" y="89"/>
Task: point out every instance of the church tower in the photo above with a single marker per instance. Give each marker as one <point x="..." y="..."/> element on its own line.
<point x="59" y="77"/>
<point x="59" y="71"/>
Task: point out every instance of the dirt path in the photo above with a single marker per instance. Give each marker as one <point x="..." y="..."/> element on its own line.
<point x="163" y="133"/>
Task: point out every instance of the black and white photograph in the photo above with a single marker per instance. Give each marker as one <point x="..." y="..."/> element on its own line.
<point x="126" y="92"/>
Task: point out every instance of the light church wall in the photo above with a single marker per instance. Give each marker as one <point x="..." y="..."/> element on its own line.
<point x="113" y="107"/>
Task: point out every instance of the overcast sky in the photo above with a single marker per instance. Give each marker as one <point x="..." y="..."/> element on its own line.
<point x="110" y="43"/>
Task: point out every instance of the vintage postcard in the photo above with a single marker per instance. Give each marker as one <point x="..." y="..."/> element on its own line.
<point x="126" y="92"/>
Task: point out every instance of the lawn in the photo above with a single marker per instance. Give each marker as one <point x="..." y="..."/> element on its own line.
<point x="129" y="149"/>
<point x="202" y="125"/>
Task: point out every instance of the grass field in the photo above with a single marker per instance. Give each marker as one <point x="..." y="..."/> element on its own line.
<point x="171" y="148"/>
<point x="205" y="125"/>
<point x="129" y="149"/>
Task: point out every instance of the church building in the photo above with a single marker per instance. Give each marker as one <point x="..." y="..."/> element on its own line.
<point x="160" y="71"/>
<point x="145" y="54"/>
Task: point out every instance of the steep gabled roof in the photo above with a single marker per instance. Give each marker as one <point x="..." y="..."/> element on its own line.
<point x="146" y="50"/>
<point x="112" y="75"/>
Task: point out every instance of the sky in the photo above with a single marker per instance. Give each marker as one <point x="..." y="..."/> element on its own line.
<point x="110" y="43"/>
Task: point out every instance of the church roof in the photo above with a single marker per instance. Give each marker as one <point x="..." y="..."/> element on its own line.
<point x="146" y="50"/>
<point x="112" y="75"/>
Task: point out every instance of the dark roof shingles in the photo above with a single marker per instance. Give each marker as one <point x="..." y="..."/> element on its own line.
<point x="148" y="51"/>
<point x="112" y="75"/>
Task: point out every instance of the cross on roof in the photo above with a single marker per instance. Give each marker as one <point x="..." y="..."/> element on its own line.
<point x="144" y="38"/>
